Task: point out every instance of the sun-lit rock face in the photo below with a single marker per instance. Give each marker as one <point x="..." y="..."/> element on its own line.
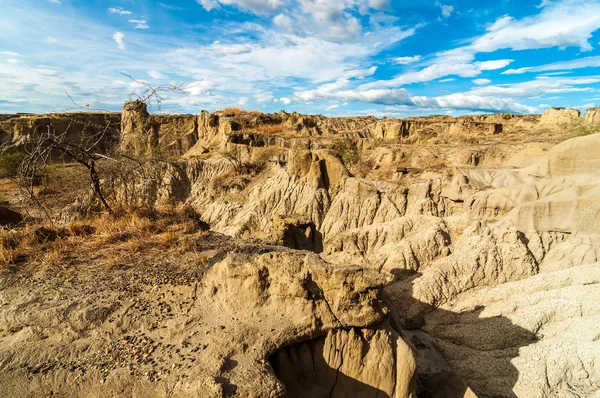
<point x="592" y="116"/>
<point x="560" y="116"/>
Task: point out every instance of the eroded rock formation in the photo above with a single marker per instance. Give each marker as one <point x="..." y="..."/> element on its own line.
<point x="432" y="256"/>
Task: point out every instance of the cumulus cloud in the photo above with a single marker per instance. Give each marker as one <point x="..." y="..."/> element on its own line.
<point x="588" y="62"/>
<point x="139" y="23"/>
<point x="118" y="38"/>
<point x="285" y="100"/>
<point x="200" y="87"/>
<point x="119" y="10"/>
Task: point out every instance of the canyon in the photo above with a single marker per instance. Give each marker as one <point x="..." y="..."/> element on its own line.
<point x="332" y="257"/>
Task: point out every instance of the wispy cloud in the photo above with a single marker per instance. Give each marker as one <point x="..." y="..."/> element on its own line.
<point x="588" y="62"/>
<point x="119" y="11"/>
<point x="139" y="23"/>
<point x="406" y="60"/>
<point x="156" y="74"/>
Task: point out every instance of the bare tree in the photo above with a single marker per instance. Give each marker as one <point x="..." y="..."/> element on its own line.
<point x="107" y="168"/>
<point x="49" y="145"/>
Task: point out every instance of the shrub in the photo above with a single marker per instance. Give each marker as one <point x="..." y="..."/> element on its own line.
<point x="9" y="164"/>
<point x="347" y="150"/>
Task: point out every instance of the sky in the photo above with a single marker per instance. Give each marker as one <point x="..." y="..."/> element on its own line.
<point x="348" y="57"/>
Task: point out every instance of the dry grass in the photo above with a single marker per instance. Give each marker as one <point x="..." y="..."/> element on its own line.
<point x="111" y="241"/>
<point x="235" y="111"/>
<point x="270" y="129"/>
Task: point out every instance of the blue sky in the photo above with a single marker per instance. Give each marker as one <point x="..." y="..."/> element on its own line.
<point x="346" y="57"/>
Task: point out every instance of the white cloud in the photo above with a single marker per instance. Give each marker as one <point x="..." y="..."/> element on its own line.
<point x="259" y="7"/>
<point x="539" y="86"/>
<point x="406" y="60"/>
<point x="580" y="63"/>
<point x="119" y="11"/>
<point x="334" y="106"/>
<point x="439" y="70"/>
<point x="50" y="40"/>
<point x="330" y="20"/>
<point x="265" y="97"/>
<point x="10" y="53"/>
<point x="200" y="87"/>
<point x="139" y="23"/>
<point x="333" y="91"/>
<point x="209" y="4"/>
<point x="229" y="49"/>
<point x="482" y="82"/>
<point x="470" y="102"/>
<point x="562" y="23"/>
<point x="380" y="4"/>
<point x="156" y="74"/>
<point x="118" y="38"/>
<point x="450" y="79"/>
<point x="282" y="58"/>
<point x="13" y="61"/>
<point x="55" y="1"/>
<point x="359" y="73"/>
<point x="285" y="100"/>
<point x="446" y="9"/>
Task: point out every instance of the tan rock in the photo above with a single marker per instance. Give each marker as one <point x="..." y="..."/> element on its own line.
<point x="215" y="340"/>
<point x="559" y="116"/>
<point x="592" y="116"/>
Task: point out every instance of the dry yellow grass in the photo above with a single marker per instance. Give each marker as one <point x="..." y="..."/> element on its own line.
<point x="108" y="240"/>
<point x="235" y="111"/>
<point x="270" y="129"/>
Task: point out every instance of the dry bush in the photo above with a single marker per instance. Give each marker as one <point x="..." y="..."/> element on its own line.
<point x="346" y="150"/>
<point x="364" y="167"/>
<point x="262" y="156"/>
<point x="230" y="179"/>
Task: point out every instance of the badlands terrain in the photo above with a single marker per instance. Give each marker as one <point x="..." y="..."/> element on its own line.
<point x="286" y="255"/>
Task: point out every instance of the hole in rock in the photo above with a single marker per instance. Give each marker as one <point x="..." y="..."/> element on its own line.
<point x="342" y="364"/>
